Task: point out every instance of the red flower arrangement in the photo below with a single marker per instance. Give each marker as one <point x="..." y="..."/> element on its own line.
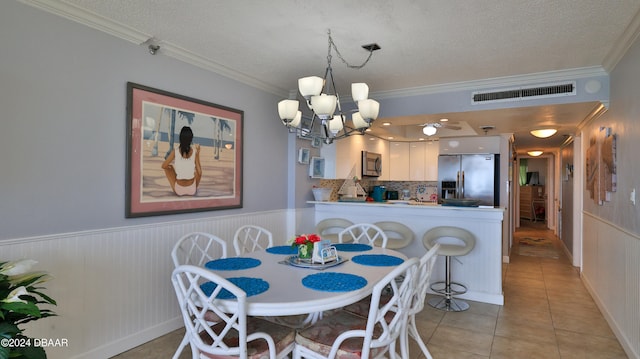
<point x="305" y="242"/>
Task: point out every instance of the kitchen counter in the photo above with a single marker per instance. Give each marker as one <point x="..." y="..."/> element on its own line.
<point x="481" y="269"/>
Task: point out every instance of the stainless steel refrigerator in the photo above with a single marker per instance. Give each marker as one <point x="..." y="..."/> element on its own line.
<point x="472" y="176"/>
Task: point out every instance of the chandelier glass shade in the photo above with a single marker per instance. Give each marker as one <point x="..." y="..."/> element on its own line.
<point x="327" y="120"/>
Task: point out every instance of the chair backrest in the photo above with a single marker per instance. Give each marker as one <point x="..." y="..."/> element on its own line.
<point x="389" y="318"/>
<point x="330" y="227"/>
<point x="399" y="235"/>
<point x="197" y="289"/>
<point x="365" y="233"/>
<point x="425" y="268"/>
<point x="198" y="248"/>
<point x="250" y="238"/>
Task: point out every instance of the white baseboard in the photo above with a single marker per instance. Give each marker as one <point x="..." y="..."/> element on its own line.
<point x="126" y="343"/>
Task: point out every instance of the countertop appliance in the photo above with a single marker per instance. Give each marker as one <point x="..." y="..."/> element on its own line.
<point x="371" y="164"/>
<point x="472" y="176"/>
<point x="378" y="193"/>
<point x="391" y="195"/>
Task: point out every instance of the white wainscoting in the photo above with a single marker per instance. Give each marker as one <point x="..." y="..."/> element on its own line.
<point x="112" y="285"/>
<point x="611" y="273"/>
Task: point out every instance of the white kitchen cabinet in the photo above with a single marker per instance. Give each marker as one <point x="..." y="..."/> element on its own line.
<point x="431" y="161"/>
<point x="399" y="161"/>
<point x="414" y="161"/>
<point x="417" y="161"/>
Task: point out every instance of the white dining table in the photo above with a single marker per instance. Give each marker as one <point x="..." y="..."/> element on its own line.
<point x="286" y="294"/>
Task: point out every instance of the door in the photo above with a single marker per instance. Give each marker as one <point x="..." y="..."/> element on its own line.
<point x="478" y="180"/>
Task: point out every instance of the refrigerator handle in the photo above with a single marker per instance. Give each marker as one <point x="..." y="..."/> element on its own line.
<point x="462" y="186"/>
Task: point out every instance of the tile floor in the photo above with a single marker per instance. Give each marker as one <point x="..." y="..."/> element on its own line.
<point x="547" y="314"/>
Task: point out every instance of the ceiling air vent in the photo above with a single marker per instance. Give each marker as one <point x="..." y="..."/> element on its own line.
<point x="525" y="93"/>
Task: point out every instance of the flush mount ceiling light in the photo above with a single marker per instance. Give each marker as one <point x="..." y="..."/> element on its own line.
<point x="534" y="153"/>
<point x="322" y="99"/>
<point x="544" y="132"/>
<point x="429" y="130"/>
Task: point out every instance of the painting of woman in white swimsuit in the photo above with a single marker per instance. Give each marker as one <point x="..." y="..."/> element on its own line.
<point x="185" y="173"/>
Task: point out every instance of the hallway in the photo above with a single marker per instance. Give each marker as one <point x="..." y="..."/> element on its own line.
<point x="548" y="313"/>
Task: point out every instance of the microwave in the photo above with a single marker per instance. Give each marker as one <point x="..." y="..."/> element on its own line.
<point x="371" y="164"/>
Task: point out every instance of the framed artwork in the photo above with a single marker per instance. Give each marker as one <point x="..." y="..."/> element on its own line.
<point x="159" y="123"/>
<point x="316" y="142"/>
<point x="303" y="156"/>
<point x="316" y="168"/>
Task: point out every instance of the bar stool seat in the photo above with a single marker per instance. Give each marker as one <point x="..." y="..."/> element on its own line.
<point x="465" y="243"/>
<point x="330" y="227"/>
<point x="399" y="234"/>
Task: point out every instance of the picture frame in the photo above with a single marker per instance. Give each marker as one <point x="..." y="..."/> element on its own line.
<point x="155" y="119"/>
<point x="303" y="156"/>
<point x="316" y="167"/>
<point x="316" y="142"/>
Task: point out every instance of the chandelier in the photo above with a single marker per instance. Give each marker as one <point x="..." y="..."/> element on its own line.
<point x="328" y="121"/>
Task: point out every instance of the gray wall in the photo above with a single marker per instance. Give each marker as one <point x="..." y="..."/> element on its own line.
<point x="62" y="109"/>
<point x="623" y="117"/>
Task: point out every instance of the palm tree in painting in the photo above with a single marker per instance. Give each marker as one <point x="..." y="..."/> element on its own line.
<point x="189" y="116"/>
<point x="220" y="126"/>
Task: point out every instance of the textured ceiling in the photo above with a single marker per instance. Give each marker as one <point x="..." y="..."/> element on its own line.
<point x="270" y="44"/>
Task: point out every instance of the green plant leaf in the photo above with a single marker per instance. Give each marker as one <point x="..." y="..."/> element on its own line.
<point x="22" y="308"/>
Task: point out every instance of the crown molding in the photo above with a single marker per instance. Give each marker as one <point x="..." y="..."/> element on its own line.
<point x="625" y="41"/>
<point x="95" y="21"/>
<point x="597" y="111"/>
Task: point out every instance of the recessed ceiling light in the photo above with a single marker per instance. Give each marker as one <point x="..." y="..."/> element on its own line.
<point x="544" y="132"/>
<point x="386" y="124"/>
<point x="444" y="119"/>
<point x="390" y="138"/>
<point x="534" y="153"/>
<point x="421" y="139"/>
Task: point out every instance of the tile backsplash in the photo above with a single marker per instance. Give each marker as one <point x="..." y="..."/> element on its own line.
<point x="367" y="185"/>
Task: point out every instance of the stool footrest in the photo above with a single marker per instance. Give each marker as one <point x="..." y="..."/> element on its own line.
<point x="455" y="288"/>
<point x="448" y="304"/>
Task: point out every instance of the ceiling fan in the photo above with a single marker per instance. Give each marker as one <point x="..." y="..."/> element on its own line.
<point x="430" y="129"/>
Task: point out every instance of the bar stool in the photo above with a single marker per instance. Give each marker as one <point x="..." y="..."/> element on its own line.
<point x="399" y="234"/>
<point x="447" y="249"/>
<point x="330" y="227"/>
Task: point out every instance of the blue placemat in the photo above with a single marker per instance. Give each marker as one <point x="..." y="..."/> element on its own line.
<point x="352" y="247"/>
<point x="283" y="250"/>
<point x="334" y="282"/>
<point x="251" y="286"/>
<point x="378" y="260"/>
<point x="235" y="263"/>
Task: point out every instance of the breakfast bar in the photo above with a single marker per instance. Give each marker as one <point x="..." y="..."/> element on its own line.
<point x="480" y="270"/>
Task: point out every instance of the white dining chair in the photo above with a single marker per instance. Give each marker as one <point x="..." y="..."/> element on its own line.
<point x="249" y="238"/>
<point x="235" y="334"/>
<point x="346" y="335"/>
<point x="365" y="233"/>
<point x="425" y="268"/>
<point x="198" y="248"/>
